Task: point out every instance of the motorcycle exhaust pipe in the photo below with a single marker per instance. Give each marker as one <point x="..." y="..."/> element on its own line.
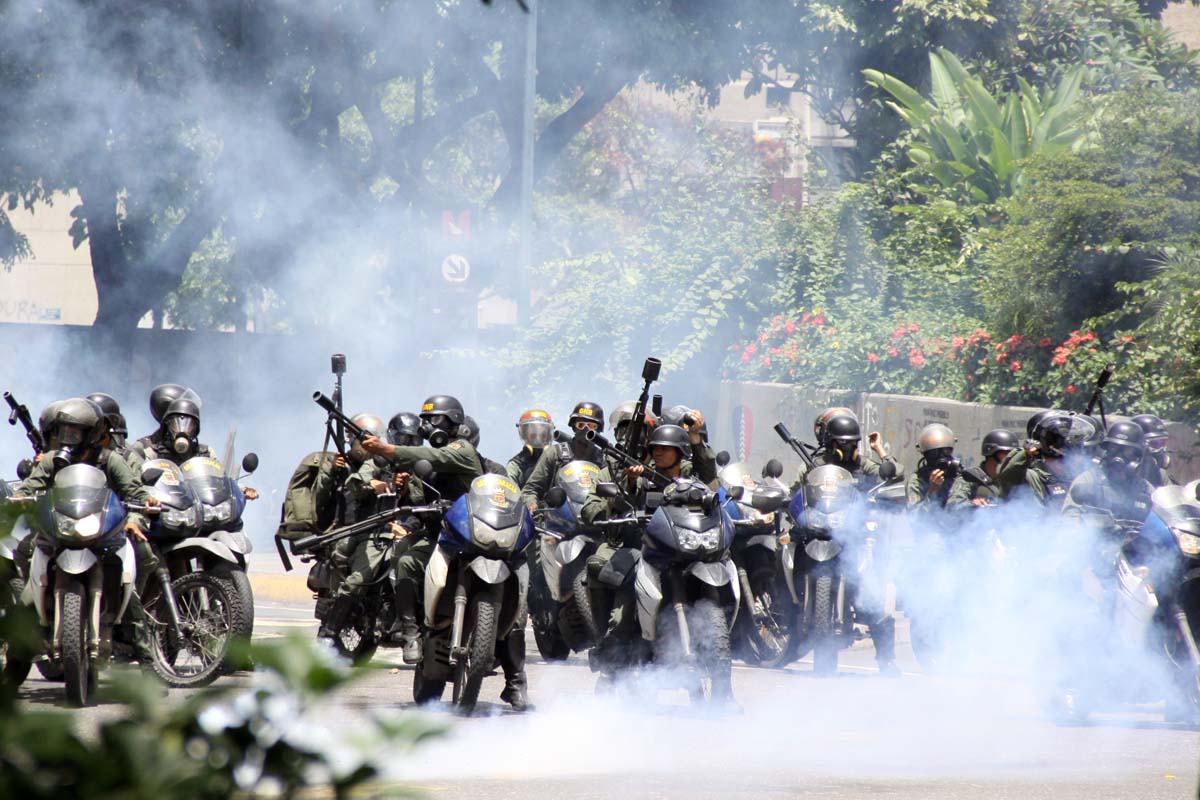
<point x="756" y="611"/>
<point x="1185" y="630"/>
<point x="460" y="615"/>
<point x="95" y="595"/>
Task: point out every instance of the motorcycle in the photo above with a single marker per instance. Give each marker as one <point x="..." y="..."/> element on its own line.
<point x="1155" y="604"/>
<point x="829" y="562"/>
<point x="475" y="589"/>
<point x="563" y="619"/>
<point x="762" y="633"/>
<point x="83" y="574"/>
<point x="222" y="547"/>
<point x="687" y="586"/>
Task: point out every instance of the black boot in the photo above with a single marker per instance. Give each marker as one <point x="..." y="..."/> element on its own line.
<point x="335" y="618"/>
<point x="883" y="636"/>
<point x="511" y="654"/>
<point x="405" y="629"/>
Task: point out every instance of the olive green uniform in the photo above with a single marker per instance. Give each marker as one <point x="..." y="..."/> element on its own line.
<point x="868" y="471"/>
<point x="970" y="485"/>
<point x="1094" y="490"/>
<point x="922" y="498"/>
<point x="365" y="555"/>
<point x="1023" y="475"/>
<point x="520" y="467"/>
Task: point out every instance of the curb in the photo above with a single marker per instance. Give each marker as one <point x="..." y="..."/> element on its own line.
<point x="280" y="588"/>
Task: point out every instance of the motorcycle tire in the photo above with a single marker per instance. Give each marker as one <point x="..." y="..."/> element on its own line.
<point x="714" y="654"/>
<point x="205" y="615"/>
<point x="50" y="670"/>
<point x="580" y="627"/>
<point x="77" y="667"/>
<point x="16" y="669"/>
<point x="543" y="612"/>
<point x="767" y="644"/>
<point x="426" y="691"/>
<point x="483" y="616"/>
<point x="241" y="612"/>
<point x="825" y="646"/>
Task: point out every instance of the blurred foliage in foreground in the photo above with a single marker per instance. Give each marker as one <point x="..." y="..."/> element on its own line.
<point x="275" y="738"/>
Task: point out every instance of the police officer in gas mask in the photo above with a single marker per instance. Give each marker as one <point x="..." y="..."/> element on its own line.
<point x="1116" y="485"/>
<point x="1158" y="457"/>
<point x="176" y="440"/>
<point x="929" y="487"/>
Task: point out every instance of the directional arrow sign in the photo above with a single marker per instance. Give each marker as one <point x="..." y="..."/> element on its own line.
<point x="456" y="268"/>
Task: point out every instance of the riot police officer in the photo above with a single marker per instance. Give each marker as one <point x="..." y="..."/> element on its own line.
<point x="839" y="437"/>
<point x="536" y="429"/>
<point x="1158" y="457"/>
<point x="1115" y="485"/>
<point x="929" y="486"/>
<point x="586" y="416"/>
<point x="1059" y="451"/>
<point x="977" y="486"/>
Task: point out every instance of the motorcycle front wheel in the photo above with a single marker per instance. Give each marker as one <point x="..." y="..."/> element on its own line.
<point x="714" y="658"/>
<point x="78" y="670"/>
<point x="197" y="657"/>
<point x="825" y="644"/>
<point x="767" y="640"/>
<point x="482" y="619"/>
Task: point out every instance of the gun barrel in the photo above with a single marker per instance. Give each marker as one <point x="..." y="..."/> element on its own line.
<point x="332" y="410"/>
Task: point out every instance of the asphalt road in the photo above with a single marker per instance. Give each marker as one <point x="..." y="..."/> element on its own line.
<point x="797" y="736"/>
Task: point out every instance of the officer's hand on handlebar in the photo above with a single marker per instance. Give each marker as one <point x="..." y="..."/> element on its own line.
<point x="250" y="494"/>
<point x="397" y="531"/>
<point x="401" y="479"/>
<point x="380" y="487"/>
<point x="980" y="502"/>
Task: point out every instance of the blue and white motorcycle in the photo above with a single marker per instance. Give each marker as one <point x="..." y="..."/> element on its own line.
<point x="475" y="587"/>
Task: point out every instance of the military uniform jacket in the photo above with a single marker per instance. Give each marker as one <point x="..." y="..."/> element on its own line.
<point x="121" y="479"/>
<point x="554" y="456"/>
<point x="520" y="467"/>
<point x="971" y="484"/>
<point x="1021" y="475"/>
<point x="456" y="465"/>
<point x="1095" y="490"/>
<point x="867" y="472"/>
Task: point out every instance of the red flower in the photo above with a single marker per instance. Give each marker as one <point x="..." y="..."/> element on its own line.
<point x="1000" y="358"/>
<point x="763" y="337"/>
<point x="1046" y="341"/>
<point x="790" y="327"/>
<point x="1125" y="339"/>
<point x="872" y="357"/>
<point x="746" y="356"/>
<point x="805" y="317"/>
<point x="913" y="327"/>
<point x="774" y="351"/>
<point x="917" y="360"/>
<point x="958" y="342"/>
<point x="1070" y="389"/>
<point x="766" y="361"/>
<point x="1087" y="337"/>
<point x="1015" y="366"/>
<point x="893" y="352"/>
<point x="751" y="349"/>
<point x="819" y="319"/>
<point x="1059" y="359"/>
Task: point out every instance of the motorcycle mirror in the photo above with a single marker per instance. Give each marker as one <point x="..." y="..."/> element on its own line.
<point x="768" y="500"/>
<point x="608" y="490"/>
<point x="736" y="492"/>
<point x="249" y="462"/>
<point x="555" y="497"/>
<point x="772" y="469"/>
<point x="723" y="458"/>
<point x="151" y="476"/>
<point x="24" y="468"/>
<point x="423" y="469"/>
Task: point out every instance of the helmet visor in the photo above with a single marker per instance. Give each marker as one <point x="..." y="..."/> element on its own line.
<point x="535" y="432"/>
<point x="436" y="420"/>
<point x="70" y="435"/>
<point x="179" y="425"/>
<point x="1157" y="444"/>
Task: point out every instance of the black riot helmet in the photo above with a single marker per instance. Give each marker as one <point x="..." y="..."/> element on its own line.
<point x="112" y="412"/>
<point x="181" y="423"/>
<point x="404" y="429"/>
<point x="587" y="414"/>
<point x="1037" y="418"/>
<point x="78" y="425"/>
<point x="1060" y="433"/>
<point x="672" y="436"/>
<point x="999" y="443"/>
<point x="1123" y="449"/>
<point x="46" y="421"/>
<point x="471" y="434"/>
<point x="442" y="419"/>
<point x="162" y="396"/>
<point x="1156" y="437"/>
<point x="841" y="437"/>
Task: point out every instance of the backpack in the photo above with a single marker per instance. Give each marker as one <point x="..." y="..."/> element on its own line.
<point x="310" y="505"/>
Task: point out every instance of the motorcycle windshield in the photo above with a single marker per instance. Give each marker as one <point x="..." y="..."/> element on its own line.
<point x="79" y="490"/>
<point x="738" y="474"/>
<point x="207" y="480"/>
<point x="828" y="489"/>
<point x="171" y="489"/>
<point x="496" y="501"/>
<point x="578" y="479"/>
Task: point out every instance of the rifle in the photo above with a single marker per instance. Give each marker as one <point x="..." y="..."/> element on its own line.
<point x="619" y="455"/>
<point x="1098" y="396"/>
<point x="20" y="414"/>
<point x="634" y="445"/>
<point x="338" y="419"/>
<point x="309" y="543"/>
<point x="795" y="444"/>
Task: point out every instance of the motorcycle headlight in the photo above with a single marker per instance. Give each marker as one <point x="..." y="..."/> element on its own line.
<point x="829" y="522"/>
<point x="178" y="519"/>
<point x="88" y="527"/>
<point x="691" y="540"/>
<point x="1188" y="543"/>
<point x="222" y="512"/>
<point x="505" y="539"/>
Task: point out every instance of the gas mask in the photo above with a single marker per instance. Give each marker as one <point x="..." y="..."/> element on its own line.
<point x="1121" y="462"/>
<point x="845" y="451"/>
<point x="1158" y="451"/>
<point x="433" y="432"/>
<point x="181" y="432"/>
<point x="70" y="438"/>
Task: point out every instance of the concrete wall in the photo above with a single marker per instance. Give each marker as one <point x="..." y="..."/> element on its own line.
<point x="55" y="286"/>
<point x="747" y="412"/>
